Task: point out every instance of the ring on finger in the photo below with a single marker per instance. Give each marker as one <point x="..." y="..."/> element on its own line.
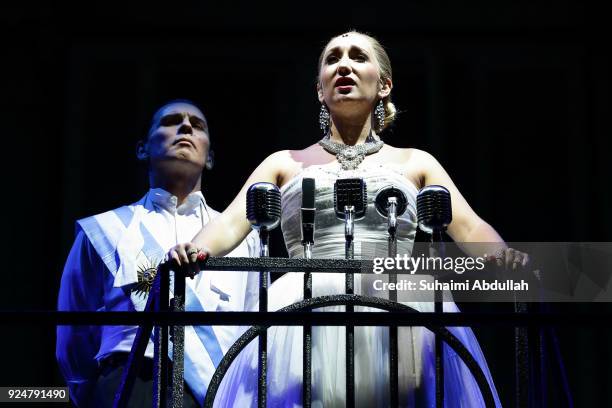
<point x="500" y="254"/>
<point x="193" y="251"/>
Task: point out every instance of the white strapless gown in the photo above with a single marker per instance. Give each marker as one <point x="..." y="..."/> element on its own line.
<point x="416" y="344"/>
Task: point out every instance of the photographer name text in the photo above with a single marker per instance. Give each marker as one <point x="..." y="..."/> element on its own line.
<point x="466" y="285"/>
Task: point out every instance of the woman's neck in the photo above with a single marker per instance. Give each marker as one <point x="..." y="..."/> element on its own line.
<point x="350" y="132"/>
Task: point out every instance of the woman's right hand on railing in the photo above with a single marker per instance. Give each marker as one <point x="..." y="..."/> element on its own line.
<point x="185" y="257"/>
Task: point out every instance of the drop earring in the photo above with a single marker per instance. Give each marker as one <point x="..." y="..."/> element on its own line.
<point x="379" y="114"/>
<point x="141" y="152"/>
<point x="324" y="119"/>
<point x="210" y="160"/>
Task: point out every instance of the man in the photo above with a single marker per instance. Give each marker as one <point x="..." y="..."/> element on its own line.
<point x="114" y="252"/>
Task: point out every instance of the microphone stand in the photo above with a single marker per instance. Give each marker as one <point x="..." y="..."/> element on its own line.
<point x="262" y="366"/>
<point x="350" y="197"/>
<point x="349" y="253"/>
<point x="393" y="331"/>
<point x="349" y="230"/>
<point x="307" y="242"/>
<point x="437" y="249"/>
<point x="391" y="203"/>
<point x="434" y="215"/>
<point x="263" y="212"/>
<point x="264" y="242"/>
<point x="307" y="250"/>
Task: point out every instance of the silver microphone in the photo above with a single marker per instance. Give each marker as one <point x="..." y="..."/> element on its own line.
<point x="263" y="210"/>
<point x="391" y="202"/>
<point x="308" y="215"/>
<point x="434" y="210"/>
<point x="351" y="202"/>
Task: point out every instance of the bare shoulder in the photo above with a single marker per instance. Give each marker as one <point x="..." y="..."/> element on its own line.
<point x="306" y="152"/>
<point x="283" y="164"/>
<point x="277" y="156"/>
<point x="415" y="163"/>
<point x="410" y="155"/>
<point x="423" y="155"/>
<point x="420" y="159"/>
<point x="278" y="160"/>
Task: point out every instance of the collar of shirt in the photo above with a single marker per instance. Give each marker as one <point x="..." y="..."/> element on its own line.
<point x="168" y="202"/>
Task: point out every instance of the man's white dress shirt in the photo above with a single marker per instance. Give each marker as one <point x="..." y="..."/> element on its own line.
<point x="102" y="270"/>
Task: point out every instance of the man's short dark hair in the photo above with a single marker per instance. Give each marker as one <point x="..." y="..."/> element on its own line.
<point x="185" y="101"/>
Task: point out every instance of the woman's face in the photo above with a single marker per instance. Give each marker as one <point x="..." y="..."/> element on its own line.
<point x="349" y="74"/>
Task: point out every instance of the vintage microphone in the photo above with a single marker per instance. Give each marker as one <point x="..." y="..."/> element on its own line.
<point x="263" y="210"/>
<point x="308" y="215"/>
<point x="391" y="203"/>
<point x="308" y="227"/>
<point x="350" y="199"/>
<point x="434" y="214"/>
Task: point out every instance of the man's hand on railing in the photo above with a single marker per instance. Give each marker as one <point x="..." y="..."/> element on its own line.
<point x="185" y="257"/>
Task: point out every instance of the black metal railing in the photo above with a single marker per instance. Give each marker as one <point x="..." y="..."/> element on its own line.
<point x="263" y="266"/>
<point x="355" y="300"/>
<point x="167" y="318"/>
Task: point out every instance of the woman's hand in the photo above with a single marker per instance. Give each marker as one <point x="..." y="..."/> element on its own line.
<point x="510" y="258"/>
<point x="185" y="257"/>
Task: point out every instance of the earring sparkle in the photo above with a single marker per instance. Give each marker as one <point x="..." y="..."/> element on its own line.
<point x="210" y="160"/>
<point x="379" y="114"/>
<point x="324" y="119"/>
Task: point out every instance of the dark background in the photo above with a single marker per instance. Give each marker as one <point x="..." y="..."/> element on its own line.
<point x="513" y="98"/>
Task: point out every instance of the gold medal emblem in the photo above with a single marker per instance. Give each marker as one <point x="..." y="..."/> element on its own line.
<point x="146" y="276"/>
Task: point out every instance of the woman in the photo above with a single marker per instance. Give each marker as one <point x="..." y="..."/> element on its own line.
<point x="354" y="88"/>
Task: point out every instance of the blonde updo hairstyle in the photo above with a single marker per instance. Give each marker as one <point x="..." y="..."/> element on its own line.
<point x="384" y="64"/>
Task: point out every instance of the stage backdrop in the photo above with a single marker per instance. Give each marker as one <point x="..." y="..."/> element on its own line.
<point x="513" y="98"/>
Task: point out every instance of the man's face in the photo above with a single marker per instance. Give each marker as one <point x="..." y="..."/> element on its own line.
<point x="179" y="132"/>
